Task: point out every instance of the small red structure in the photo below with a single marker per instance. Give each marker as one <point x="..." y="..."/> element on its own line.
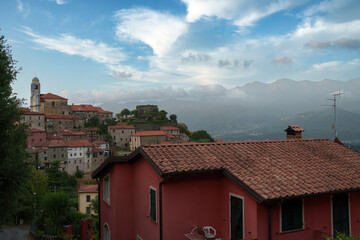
<point x="285" y="189"/>
<point x="86" y="229"/>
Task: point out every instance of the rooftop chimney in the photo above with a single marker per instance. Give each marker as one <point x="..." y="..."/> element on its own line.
<point x="293" y="132"/>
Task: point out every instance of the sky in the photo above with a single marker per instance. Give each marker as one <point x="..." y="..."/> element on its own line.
<point x="93" y="51"/>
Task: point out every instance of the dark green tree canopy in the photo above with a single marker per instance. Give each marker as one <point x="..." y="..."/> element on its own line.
<point x="125" y="112"/>
<point x="173" y="118"/>
<point x="201" y="136"/>
<point x="13" y="167"/>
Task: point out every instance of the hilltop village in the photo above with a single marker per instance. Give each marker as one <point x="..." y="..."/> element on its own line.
<point x="81" y="136"/>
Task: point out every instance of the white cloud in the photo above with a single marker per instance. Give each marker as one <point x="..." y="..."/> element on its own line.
<point x="208" y="90"/>
<point x="324" y="7"/>
<point x="96" y="51"/>
<point x="242" y="13"/>
<point x="326" y="65"/>
<point x="60" y="2"/>
<point x="158" y="30"/>
<point x="20" y="6"/>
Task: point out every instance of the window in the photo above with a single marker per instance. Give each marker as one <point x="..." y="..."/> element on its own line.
<point x="70" y="154"/>
<point x="38" y="124"/>
<point x="292" y="215"/>
<point x="106" y="232"/>
<point x="74" y="154"/>
<point x="106" y="189"/>
<point x="45" y="158"/>
<point x="53" y="104"/>
<point x="32" y="140"/>
<point x="40" y="139"/>
<point x="75" y="161"/>
<point x="54" y="155"/>
<point x="87" y="198"/>
<point x="88" y="211"/>
<point x="80" y="154"/>
<point x="114" y="137"/>
<point x="152" y="203"/>
<point x="62" y="155"/>
<point x="39" y="119"/>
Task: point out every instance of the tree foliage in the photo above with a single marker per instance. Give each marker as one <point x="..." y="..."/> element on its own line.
<point x="173" y="118"/>
<point x="125" y="112"/>
<point x="59" y="180"/>
<point x="201" y="136"/>
<point x="13" y="167"/>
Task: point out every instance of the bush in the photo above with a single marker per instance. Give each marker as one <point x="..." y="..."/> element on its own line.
<point x="342" y="236"/>
<point x="79" y="174"/>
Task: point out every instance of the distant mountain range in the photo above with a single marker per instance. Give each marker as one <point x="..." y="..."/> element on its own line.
<point x="264" y="110"/>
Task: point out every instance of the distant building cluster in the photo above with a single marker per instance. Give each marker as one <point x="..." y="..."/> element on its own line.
<point x="57" y="132"/>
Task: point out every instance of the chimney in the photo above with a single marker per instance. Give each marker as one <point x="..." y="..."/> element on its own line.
<point x="293" y="132"/>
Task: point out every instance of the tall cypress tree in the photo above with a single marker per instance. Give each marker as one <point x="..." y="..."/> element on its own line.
<point x="13" y="165"/>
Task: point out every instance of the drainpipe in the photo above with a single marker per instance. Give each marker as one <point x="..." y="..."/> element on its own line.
<point x="269" y="218"/>
<point x="99" y="224"/>
<point x="160" y="208"/>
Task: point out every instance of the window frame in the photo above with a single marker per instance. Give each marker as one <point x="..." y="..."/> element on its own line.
<point x="302" y="217"/>
<point x="106" y="226"/>
<point x="106" y="189"/>
<point x="151" y="188"/>
<point x="88" y="198"/>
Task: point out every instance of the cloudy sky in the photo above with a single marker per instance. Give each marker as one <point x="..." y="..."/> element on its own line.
<point x="93" y="51"/>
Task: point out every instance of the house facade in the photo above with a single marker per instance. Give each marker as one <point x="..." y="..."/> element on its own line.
<point x="86" y="193"/>
<point x="34" y="119"/>
<point x="51" y="104"/>
<point x="120" y="135"/>
<point x="79" y="156"/>
<point x="285" y="189"/>
<point x="147" y="138"/>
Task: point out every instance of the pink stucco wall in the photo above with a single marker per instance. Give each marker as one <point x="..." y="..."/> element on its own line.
<point x="202" y="200"/>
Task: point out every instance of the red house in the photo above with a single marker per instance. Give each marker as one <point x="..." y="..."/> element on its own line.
<point x="284" y="189"/>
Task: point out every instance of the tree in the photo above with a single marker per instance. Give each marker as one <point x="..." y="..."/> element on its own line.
<point x="125" y="112"/>
<point x="161" y="115"/>
<point x="13" y="166"/>
<point x="201" y="136"/>
<point x="36" y="187"/>
<point x="173" y="118"/>
<point x="93" y="122"/>
<point x="135" y="113"/>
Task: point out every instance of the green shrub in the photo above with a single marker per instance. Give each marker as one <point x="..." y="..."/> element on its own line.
<point x="79" y="174"/>
<point x="342" y="236"/>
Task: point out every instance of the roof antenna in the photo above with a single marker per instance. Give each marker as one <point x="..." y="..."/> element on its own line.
<point x="335" y="96"/>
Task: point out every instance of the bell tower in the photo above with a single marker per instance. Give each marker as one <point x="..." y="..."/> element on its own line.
<point x="35" y="95"/>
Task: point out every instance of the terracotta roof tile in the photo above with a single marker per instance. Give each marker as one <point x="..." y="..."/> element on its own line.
<point x="55" y="143"/>
<point x="87" y="108"/>
<point x="34" y="130"/>
<point x="88" y="188"/>
<point x="272" y="169"/>
<point x="78" y="143"/>
<point x="150" y="133"/>
<point x="51" y="96"/>
<point x="295" y="128"/>
<point x="68" y="132"/>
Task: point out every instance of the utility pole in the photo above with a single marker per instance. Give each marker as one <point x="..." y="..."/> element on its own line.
<point x="34" y="205"/>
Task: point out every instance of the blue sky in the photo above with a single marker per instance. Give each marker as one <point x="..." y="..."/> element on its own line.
<point x="115" y="51"/>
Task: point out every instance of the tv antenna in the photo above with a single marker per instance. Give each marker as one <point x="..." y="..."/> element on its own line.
<point x="336" y="95"/>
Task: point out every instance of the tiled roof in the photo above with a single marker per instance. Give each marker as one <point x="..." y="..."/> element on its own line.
<point x="59" y="116"/>
<point x="271" y="169"/>
<point x="23" y="109"/>
<point x="51" y="96"/>
<point x="150" y="133"/>
<point x="94" y="149"/>
<point x="89" y="129"/>
<point x="55" y="143"/>
<point x="87" y="108"/>
<point x="88" y="188"/>
<point x="53" y="136"/>
<point x="102" y="111"/>
<point x="33" y="113"/>
<point x="98" y="143"/>
<point x="169" y="128"/>
<point x="34" y="130"/>
<point x="68" y="132"/>
<point x="122" y="126"/>
<point x="295" y="128"/>
<point x="78" y="143"/>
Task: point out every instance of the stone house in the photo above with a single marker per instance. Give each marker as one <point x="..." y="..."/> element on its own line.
<point x="120" y="135"/>
<point x="171" y="130"/>
<point x="147" y="138"/>
<point x="56" y="150"/>
<point x="68" y="134"/>
<point x="79" y="153"/>
<point x="86" y="111"/>
<point x="92" y="134"/>
<point x="54" y="123"/>
<point x="98" y="157"/>
<point x="36" y="137"/>
<point x="33" y="119"/>
<point x="51" y="104"/>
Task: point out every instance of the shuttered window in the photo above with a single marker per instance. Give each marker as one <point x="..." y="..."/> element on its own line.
<point x="292" y="215"/>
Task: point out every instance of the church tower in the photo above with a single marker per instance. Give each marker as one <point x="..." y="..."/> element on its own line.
<point x="35" y="95"/>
